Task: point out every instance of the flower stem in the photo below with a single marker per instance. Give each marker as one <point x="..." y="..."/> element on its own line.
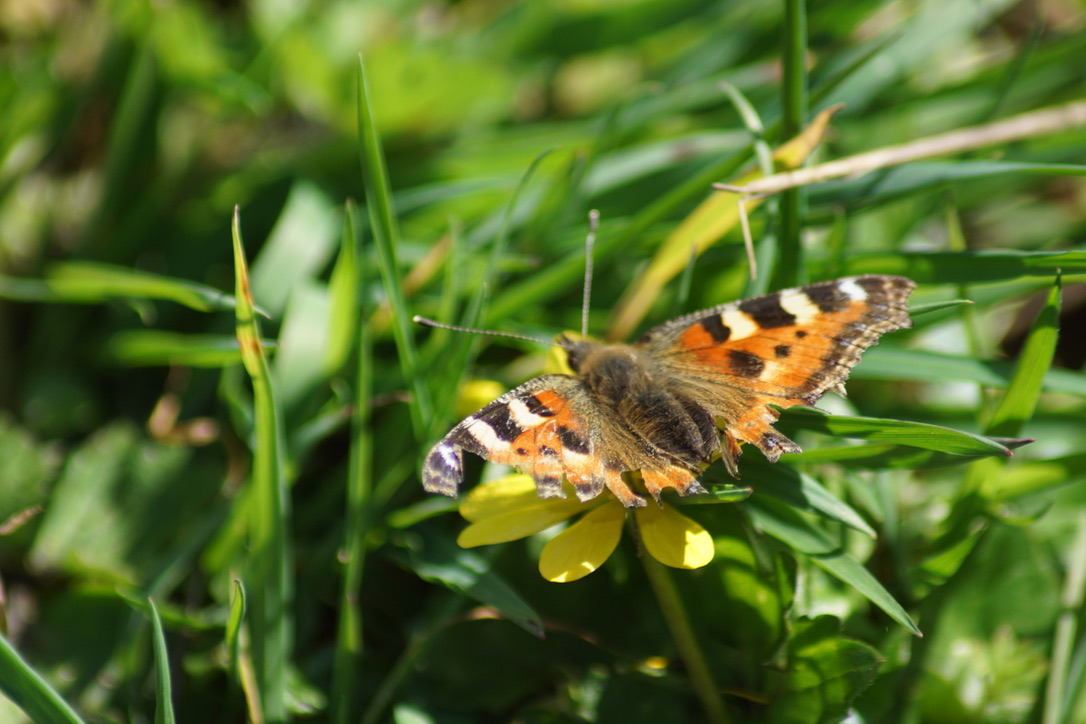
<point x="671" y="605"/>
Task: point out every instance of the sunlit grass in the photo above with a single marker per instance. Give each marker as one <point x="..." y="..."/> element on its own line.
<point x="272" y="512"/>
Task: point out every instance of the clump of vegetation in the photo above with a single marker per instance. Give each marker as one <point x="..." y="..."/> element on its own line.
<point x="218" y="221"/>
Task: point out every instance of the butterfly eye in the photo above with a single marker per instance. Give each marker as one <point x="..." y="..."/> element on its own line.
<point x="574" y="357"/>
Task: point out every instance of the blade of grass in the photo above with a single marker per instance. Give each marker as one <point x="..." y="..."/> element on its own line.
<point x="135" y="110"/>
<point x="234" y="621"/>
<point x="87" y="282"/>
<point x="899" y="457"/>
<point x="1020" y="399"/>
<point x="803" y="492"/>
<point x="29" y="691"/>
<point x="901" y="432"/>
<point x="155" y="348"/>
<point x="459" y="353"/>
<point x="359" y="516"/>
<point x="756" y="284"/>
<point x="704" y="226"/>
<point x="269" y="569"/>
<point x="386" y="236"/>
<point x="565" y="271"/>
<point x="923" y="176"/>
<point x="163" y="687"/>
<point x="789" y="269"/>
<point x="1046" y="121"/>
<point x="788" y="526"/>
<point x="1057" y="707"/>
<point x="969" y="267"/>
<point x="344" y="290"/>
<point x="887" y="362"/>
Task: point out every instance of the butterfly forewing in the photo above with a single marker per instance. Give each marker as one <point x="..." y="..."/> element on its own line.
<point x="786" y="348"/>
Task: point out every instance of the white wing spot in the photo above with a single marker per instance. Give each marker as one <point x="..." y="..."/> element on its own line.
<point x="740" y="323"/>
<point x="523" y="416"/>
<point x="851" y="289"/>
<point x="484" y="434"/>
<point x="448" y="454"/>
<point x="800" y="306"/>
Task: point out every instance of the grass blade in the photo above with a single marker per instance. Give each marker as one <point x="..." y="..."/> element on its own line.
<point x="29" y="691"/>
<point x="359" y="516"/>
<point x="788" y="526"/>
<point x="789" y="269"/>
<point x="269" y="576"/>
<point x="87" y="282"/>
<point x="163" y="687"/>
<point x="1020" y="399"/>
<point x="703" y="227"/>
<point x="890" y="363"/>
<point x="386" y="236"/>
<point x="901" y="432"/>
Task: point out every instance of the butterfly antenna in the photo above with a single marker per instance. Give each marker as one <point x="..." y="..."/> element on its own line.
<point x="439" y="325"/>
<point x="590" y="240"/>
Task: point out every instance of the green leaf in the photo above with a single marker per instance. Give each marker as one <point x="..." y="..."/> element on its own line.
<point x="442" y="561"/>
<point x="27" y="689"/>
<point x="105" y="515"/>
<point x="889" y="362"/>
<point x="27" y="469"/>
<point x="1019" y="401"/>
<point x="900" y="432"/>
<point x="163" y="688"/>
<point x="788" y="526"/>
<point x="825" y="673"/>
<point x="803" y="492"/>
<point x="972" y="267"/>
<point x="93" y="283"/>
<point x="913" y="178"/>
<point x="234" y="621"/>
<point x="154" y="348"/>
<point x="880" y="456"/>
<point x="297" y="249"/>
<point x="386" y="237"/>
<point x="344" y="292"/>
<point x="268" y="509"/>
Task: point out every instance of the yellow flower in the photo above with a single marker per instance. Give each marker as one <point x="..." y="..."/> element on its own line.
<point x="510" y="508"/>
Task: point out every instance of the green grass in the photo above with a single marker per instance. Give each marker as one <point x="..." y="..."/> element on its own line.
<point x="193" y="533"/>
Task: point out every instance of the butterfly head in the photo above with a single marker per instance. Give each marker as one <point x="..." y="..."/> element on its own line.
<point x="576" y="350"/>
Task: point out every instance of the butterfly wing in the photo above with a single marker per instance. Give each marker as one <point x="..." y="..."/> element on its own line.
<point x="547" y="428"/>
<point x="786" y="348"/>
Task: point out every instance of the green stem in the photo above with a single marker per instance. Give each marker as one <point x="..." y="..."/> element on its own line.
<point x="678" y="622"/>
<point x="1057" y="704"/>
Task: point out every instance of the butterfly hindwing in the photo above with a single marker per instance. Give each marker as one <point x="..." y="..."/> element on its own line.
<point x="547" y="428"/>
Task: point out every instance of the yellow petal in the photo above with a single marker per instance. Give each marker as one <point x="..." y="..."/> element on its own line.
<point x="473" y="395"/>
<point x="584" y="546"/>
<point x="672" y="538"/>
<point x="513" y="494"/>
<point x="516" y="524"/>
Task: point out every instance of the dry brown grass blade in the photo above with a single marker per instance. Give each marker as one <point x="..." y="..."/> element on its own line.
<point x="1027" y="125"/>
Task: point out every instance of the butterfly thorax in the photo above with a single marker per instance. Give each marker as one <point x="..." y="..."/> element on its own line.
<point x="651" y="414"/>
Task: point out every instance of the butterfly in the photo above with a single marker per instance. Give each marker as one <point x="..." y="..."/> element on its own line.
<point x="685" y="392"/>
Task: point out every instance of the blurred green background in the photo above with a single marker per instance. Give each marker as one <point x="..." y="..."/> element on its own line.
<point x="130" y="438"/>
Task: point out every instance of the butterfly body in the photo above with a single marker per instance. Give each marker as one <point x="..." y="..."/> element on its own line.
<point x="686" y="391"/>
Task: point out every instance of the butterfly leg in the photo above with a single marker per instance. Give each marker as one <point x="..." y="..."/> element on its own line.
<point x="656" y="479"/>
<point x="614" y="482"/>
